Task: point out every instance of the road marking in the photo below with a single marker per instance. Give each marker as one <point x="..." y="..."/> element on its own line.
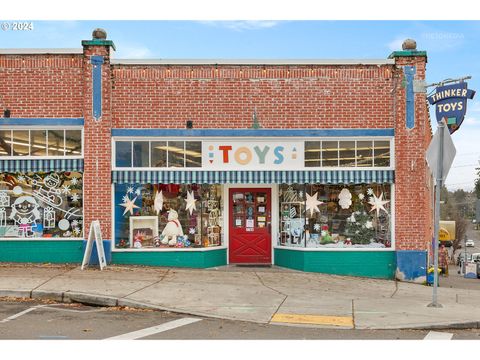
<point x="154" y="329"/>
<point x="313" y="319"/>
<point x="436" y="335"/>
<point x="13" y="317"/>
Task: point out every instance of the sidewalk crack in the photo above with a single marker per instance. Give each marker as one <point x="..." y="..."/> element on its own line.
<point x="143" y="288"/>
<point x="277" y="291"/>
<point x="53" y="277"/>
<point x="396" y="289"/>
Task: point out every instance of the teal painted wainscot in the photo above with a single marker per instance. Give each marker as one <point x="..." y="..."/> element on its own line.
<point x="180" y="258"/>
<point x="374" y="264"/>
<point x="41" y="251"/>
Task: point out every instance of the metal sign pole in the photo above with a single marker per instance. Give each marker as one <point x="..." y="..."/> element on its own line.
<point x="441" y="127"/>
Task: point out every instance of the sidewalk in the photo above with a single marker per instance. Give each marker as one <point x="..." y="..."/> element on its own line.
<point x="250" y="294"/>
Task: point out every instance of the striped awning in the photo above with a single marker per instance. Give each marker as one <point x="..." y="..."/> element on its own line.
<point x="254" y="177"/>
<point x="23" y="165"/>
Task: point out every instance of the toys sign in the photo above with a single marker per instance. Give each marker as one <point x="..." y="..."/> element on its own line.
<point x="451" y="103"/>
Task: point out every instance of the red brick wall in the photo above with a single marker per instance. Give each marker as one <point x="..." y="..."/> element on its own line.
<point x="413" y="219"/>
<point x="97" y="174"/>
<point x="42" y="85"/>
<point x="284" y="96"/>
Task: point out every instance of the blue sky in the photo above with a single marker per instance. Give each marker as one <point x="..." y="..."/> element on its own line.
<point x="452" y="48"/>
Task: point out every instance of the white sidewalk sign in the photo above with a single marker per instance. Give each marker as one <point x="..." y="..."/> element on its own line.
<point x="94" y="234"/>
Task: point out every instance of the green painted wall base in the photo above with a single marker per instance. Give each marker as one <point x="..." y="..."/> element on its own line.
<point x="192" y="259"/>
<point x="375" y="264"/>
<point x="41" y="251"/>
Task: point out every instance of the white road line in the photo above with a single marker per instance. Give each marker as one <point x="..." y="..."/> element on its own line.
<point x="436" y="335"/>
<point x="154" y="329"/>
<point x="13" y="317"/>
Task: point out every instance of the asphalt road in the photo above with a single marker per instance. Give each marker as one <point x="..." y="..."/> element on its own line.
<point x="34" y="320"/>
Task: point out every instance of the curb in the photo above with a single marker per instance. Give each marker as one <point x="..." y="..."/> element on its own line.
<point x="102" y="300"/>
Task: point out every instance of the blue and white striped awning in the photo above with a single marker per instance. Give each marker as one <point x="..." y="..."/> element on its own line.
<point x="254" y="177"/>
<point x="32" y="165"/>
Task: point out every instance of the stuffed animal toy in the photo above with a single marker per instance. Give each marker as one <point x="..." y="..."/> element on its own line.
<point x="172" y="229"/>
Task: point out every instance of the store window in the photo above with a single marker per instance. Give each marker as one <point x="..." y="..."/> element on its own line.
<point x="347" y="153"/>
<point x="41" y="205"/>
<point x="155" y="154"/>
<point x="168" y="216"/>
<point x="335" y="216"/>
<point x="41" y="143"/>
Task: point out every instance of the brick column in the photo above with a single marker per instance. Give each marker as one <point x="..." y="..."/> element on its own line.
<point x="97" y="133"/>
<point x="413" y="186"/>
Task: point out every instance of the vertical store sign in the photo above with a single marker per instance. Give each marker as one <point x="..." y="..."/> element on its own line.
<point x="97" y="62"/>
<point x="451" y="103"/>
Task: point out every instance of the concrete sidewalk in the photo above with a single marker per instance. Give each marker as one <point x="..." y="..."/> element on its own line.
<point x="261" y="295"/>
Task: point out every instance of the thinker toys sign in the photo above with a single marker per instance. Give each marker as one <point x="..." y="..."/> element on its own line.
<point x="451" y="104"/>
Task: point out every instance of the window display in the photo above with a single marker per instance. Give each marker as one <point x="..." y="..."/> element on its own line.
<point x="335" y="216"/>
<point x="41" y="205"/>
<point x="168" y="215"/>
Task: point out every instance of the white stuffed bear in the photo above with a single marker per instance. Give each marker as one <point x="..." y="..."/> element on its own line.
<point x="172" y="229"/>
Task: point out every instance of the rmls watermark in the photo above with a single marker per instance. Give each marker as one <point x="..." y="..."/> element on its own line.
<point x="16" y="25"/>
<point x="443" y="36"/>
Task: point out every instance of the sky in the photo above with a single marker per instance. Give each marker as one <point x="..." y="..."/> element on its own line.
<point x="451" y="48"/>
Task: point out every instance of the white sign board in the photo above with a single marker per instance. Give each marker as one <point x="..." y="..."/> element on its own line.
<point x="471" y="270"/>
<point x="449" y="152"/>
<point x="253" y="154"/>
<point x="95" y="234"/>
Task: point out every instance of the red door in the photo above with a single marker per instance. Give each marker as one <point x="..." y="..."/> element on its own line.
<point x="250" y="228"/>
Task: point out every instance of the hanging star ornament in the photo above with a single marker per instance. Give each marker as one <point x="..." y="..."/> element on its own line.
<point x="378" y="203"/>
<point x="190" y="202"/>
<point x="129" y="205"/>
<point x="312" y="203"/>
<point x="158" y="203"/>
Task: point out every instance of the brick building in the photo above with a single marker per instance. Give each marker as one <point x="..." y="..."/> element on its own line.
<point x="316" y="165"/>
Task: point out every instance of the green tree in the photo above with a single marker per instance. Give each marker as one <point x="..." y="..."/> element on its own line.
<point x="477" y="184"/>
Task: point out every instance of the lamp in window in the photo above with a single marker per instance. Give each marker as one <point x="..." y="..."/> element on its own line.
<point x="189" y="124"/>
<point x="6" y="113"/>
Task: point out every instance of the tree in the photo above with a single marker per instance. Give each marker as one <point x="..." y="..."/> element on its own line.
<point x="477" y="184"/>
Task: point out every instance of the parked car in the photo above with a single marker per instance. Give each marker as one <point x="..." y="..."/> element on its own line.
<point x="462" y="256"/>
<point x="470" y="243"/>
<point x="476" y="257"/>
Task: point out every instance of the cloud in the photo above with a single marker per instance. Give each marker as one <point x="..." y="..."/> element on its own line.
<point x="243" y="24"/>
<point x="133" y="52"/>
<point x="396" y="44"/>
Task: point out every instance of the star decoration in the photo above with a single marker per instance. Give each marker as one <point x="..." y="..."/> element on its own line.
<point x="66" y="189"/>
<point x="378" y="203"/>
<point x="190" y="202"/>
<point x="191" y="231"/>
<point x="312" y="203"/>
<point x="129" y="205"/>
<point x="158" y="203"/>
<point x="74" y="181"/>
<point x="130" y="190"/>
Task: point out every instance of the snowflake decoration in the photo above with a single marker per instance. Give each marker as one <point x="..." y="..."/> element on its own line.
<point x="125" y="198"/>
<point x="75" y="223"/>
<point x="316" y="227"/>
<point x="130" y="190"/>
<point x="369" y="225"/>
<point x="361" y="196"/>
<point x="74" y="181"/>
<point x="21" y="178"/>
<point x="370" y="191"/>
<point x="75" y="197"/>
<point x="138" y="191"/>
<point x="191" y="231"/>
<point x="300" y="193"/>
<point x="66" y="189"/>
<point x="76" y="231"/>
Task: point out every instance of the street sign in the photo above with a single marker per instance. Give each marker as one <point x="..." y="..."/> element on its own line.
<point x="451" y="103"/>
<point x="433" y="154"/>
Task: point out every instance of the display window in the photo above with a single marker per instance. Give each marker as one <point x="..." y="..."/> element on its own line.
<point x="335" y="216"/>
<point x="41" y="205"/>
<point x="168" y="216"/>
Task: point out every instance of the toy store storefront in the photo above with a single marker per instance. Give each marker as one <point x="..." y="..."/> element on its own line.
<point x="318" y="202"/>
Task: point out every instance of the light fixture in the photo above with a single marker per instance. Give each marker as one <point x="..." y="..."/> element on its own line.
<point x="6" y="113"/>
<point x="189" y="124"/>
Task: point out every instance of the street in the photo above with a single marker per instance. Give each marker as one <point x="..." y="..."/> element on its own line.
<point x="35" y="320"/>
